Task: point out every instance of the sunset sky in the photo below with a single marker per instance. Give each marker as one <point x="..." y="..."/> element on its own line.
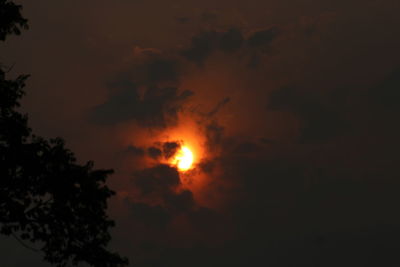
<point x="289" y="108"/>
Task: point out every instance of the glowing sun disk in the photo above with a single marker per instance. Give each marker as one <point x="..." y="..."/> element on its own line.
<point x="184" y="159"/>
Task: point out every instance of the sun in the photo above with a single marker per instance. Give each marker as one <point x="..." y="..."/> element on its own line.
<point x="183" y="159"/>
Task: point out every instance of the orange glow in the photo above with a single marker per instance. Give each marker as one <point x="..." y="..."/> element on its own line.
<point x="187" y="133"/>
<point x="183" y="159"/>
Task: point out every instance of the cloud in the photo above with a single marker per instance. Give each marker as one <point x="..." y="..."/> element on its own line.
<point x="201" y="47"/>
<point x="180" y="202"/>
<point x="214" y="134"/>
<point x="207" y="166"/>
<point x="170" y="149"/>
<point x="220" y="105"/>
<point x="158" y="107"/>
<point x="135" y="151"/>
<point x="148" y="91"/>
<point x="204" y="44"/>
<point x="150" y="67"/>
<point x="259" y="194"/>
<point x="231" y="40"/>
<point x="262" y="37"/>
<point x="320" y="119"/>
<point x="145" y="92"/>
<point x="154" y="152"/>
<point x="157" y="180"/>
<point x="162" y="70"/>
<point x="182" y="20"/>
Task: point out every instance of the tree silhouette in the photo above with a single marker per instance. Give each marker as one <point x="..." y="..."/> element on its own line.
<point x="46" y="198"/>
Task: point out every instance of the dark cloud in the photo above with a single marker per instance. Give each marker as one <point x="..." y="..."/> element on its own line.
<point x="146" y="92"/>
<point x="182" y="20"/>
<point x="321" y="119"/>
<point x="220" y="105"/>
<point x="150" y="67"/>
<point x="321" y="123"/>
<point x="205" y="219"/>
<point x="204" y="44"/>
<point x="157" y="180"/>
<point x="164" y="204"/>
<point x="231" y="40"/>
<point x="154" y="152"/>
<point x="135" y="151"/>
<point x="180" y="202"/>
<point x="214" y="134"/>
<point x="158" y="107"/>
<point x="207" y="166"/>
<point x="160" y="70"/>
<point x="170" y="149"/>
<point x="278" y="200"/>
<point x="263" y="37"/>
<point x="279" y="208"/>
<point x="119" y="107"/>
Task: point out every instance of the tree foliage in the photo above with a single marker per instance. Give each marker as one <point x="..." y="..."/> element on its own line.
<point x="11" y="20"/>
<point x="47" y="199"/>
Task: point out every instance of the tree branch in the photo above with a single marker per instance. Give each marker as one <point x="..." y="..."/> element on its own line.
<point x="23" y="243"/>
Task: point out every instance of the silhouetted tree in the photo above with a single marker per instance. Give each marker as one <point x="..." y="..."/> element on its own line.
<point x="47" y="199"/>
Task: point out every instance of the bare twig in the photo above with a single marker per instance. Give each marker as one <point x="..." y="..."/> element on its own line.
<point x="23" y="243"/>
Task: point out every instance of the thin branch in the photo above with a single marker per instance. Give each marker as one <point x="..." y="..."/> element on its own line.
<point x="23" y="244"/>
<point x="9" y="69"/>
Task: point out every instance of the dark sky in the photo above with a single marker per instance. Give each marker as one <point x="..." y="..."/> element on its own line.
<point x="291" y="108"/>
